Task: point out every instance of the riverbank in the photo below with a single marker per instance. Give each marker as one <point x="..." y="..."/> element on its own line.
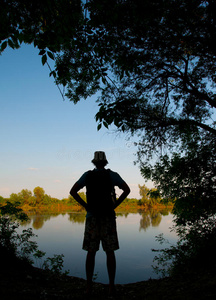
<point x="65" y="208"/>
<point x="21" y="281"/>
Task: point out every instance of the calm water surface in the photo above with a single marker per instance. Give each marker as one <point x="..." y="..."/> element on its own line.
<point x="63" y="234"/>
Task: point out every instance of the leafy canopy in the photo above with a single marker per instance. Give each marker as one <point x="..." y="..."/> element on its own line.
<point x="47" y="24"/>
<point x="152" y="65"/>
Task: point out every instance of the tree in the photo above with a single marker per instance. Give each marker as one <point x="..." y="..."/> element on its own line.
<point x="152" y="62"/>
<point x="151" y="68"/>
<point x="154" y="196"/>
<point x="144" y="193"/>
<point x="71" y="200"/>
<point x="149" y="196"/>
<point x="22" y="197"/>
<point x="153" y="65"/>
<point x="39" y="194"/>
<point x="2" y="200"/>
<point x="47" y="200"/>
<point x="47" y="24"/>
<point x="15" y="198"/>
<point x="25" y="195"/>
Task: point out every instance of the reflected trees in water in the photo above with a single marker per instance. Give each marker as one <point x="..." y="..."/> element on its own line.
<point x="150" y="218"/>
<point x="76" y="217"/>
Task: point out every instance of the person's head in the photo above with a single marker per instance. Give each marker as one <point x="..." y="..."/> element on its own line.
<point x="99" y="159"/>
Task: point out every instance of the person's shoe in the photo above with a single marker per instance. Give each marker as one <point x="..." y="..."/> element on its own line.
<point x="88" y="291"/>
<point x="112" y="292"/>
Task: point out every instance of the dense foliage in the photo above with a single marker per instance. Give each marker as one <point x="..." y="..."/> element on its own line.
<point x="151" y="197"/>
<point x="153" y="66"/>
<point x="38" y="197"/>
<point x="46" y="24"/>
<point x="12" y="244"/>
<point x="193" y="253"/>
<point x="20" y="249"/>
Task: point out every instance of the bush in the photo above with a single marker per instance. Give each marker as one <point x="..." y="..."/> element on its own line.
<point x="18" y="248"/>
<point x="12" y="243"/>
<point x="194" y="251"/>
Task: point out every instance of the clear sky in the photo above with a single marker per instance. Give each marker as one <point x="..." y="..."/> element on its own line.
<point x="46" y="141"/>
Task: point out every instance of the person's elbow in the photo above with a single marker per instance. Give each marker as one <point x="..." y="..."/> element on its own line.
<point x="74" y="189"/>
<point x="126" y="189"/>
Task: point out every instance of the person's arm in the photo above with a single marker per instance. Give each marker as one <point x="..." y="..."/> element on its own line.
<point x="125" y="193"/>
<point x="74" y="193"/>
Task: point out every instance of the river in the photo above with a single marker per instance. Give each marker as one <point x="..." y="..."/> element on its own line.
<point x="63" y="234"/>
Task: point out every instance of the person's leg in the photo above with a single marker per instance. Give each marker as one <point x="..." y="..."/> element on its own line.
<point x="90" y="263"/>
<point x="111" y="268"/>
<point x="110" y="244"/>
<point x="91" y="243"/>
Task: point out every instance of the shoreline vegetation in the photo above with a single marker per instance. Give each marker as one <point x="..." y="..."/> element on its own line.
<point x="40" y="202"/>
<point x="61" y="208"/>
<point x="67" y="208"/>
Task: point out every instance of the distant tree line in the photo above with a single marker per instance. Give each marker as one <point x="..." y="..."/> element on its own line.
<point x="27" y="197"/>
<point x="38" y="197"/>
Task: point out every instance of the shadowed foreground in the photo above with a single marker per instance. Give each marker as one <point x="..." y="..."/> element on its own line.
<point x="20" y="281"/>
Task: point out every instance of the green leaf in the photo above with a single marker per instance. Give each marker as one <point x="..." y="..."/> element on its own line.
<point x="42" y="52"/>
<point x="105" y="124"/>
<point x="53" y="73"/>
<point x="116" y="122"/>
<point x="50" y="54"/>
<point x="21" y="38"/>
<point x="11" y="44"/>
<point x="104" y="80"/>
<point x="44" y="59"/>
<point x="99" y="126"/>
<point x="96" y="117"/>
<point x="4" y="46"/>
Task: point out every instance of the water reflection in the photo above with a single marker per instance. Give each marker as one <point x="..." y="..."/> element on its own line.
<point x="77" y="218"/>
<point x="151" y="217"/>
<point x="38" y="220"/>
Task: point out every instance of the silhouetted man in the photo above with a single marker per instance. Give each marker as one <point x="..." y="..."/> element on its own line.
<point x="100" y="219"/>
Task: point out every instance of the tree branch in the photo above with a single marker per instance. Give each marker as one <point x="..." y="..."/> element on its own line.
<point x="185" y="122"/>
<point x="160" y="122"/>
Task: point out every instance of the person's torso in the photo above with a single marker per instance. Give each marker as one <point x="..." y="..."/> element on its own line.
<point x="99" y="192"/>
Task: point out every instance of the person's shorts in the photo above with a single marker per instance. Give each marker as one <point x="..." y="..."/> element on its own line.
<point x="100" y="229"/>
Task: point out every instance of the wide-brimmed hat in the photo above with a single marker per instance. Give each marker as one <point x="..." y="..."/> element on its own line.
<point x="99" y="156"/>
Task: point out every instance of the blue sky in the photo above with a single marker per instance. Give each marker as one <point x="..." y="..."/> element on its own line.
<point x="46" y="141"/>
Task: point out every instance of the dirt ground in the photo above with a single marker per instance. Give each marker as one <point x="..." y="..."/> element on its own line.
<point x="24" y="282"/>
